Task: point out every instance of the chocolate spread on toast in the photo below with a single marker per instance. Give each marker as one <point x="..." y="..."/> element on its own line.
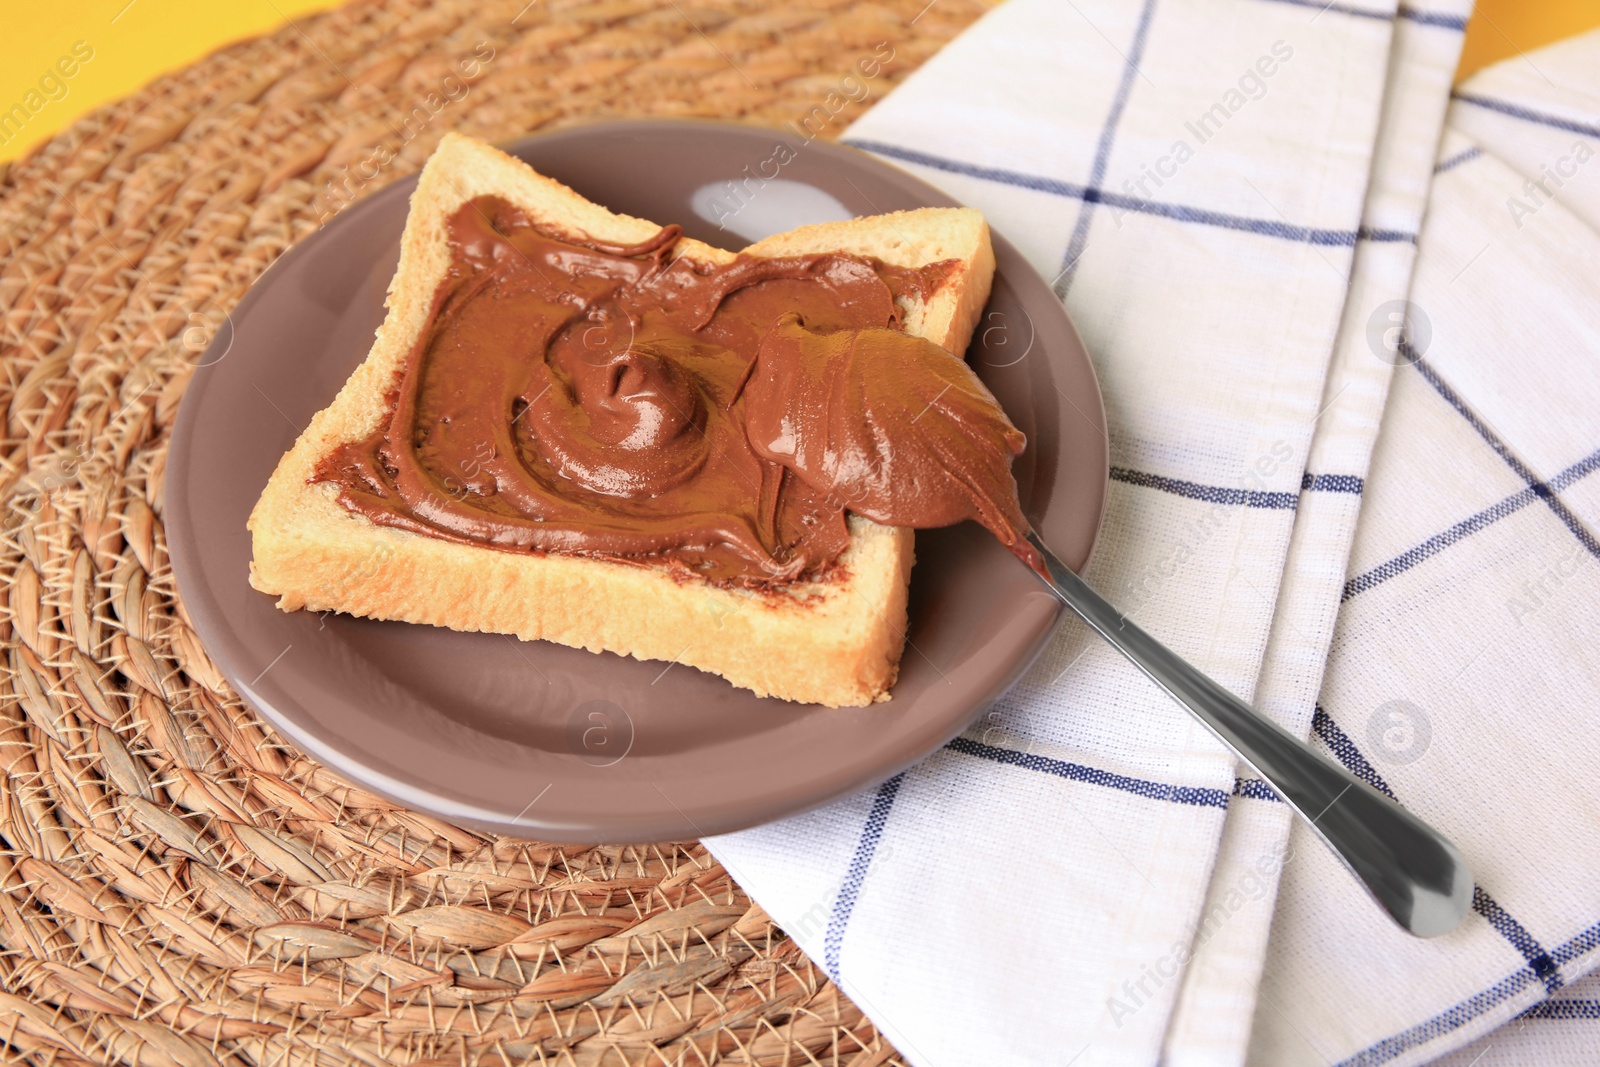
<point x="621" y="402"/>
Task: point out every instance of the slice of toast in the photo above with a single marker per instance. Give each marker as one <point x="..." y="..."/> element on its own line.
<point x="835" y="641"/>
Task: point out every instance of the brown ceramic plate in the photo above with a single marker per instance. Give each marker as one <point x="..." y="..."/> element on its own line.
<point x="542" y="741"/>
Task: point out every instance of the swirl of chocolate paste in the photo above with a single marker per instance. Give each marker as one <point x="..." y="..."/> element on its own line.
<point x="573" y="396"/>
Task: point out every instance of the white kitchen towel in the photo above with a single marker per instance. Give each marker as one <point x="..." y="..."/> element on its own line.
<point x="1212" y="1022"/>
<point x="1540" y="114"/>
<point x="1466" y="659"/>
<point x="1192" y="177"/>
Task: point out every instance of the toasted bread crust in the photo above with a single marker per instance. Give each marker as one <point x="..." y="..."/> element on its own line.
<point x="835" y="642"/>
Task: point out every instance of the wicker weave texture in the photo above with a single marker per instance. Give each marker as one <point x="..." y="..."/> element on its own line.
<point x="178" y="885"/>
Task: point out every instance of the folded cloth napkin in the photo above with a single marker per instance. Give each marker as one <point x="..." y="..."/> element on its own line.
<point x="1194" y="179"/>
<point x="1212" y="1021"/>
<point x="1466" y="657"/>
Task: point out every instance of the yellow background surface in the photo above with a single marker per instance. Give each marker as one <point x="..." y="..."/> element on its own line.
<point x="132" y="42"/>
<point x="135" y="41"/>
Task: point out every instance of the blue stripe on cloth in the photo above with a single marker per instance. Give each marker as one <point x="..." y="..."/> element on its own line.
<point x="1563" y="1009"/>
<point x="1543" y="491"/>
<point x="1467" y="527"/>
<point x="1255" y="789"/>
<point x="1466" y="155"/>
<point x="1543" y="966"/>
<point x="1287" y="231"/>
<point x="1433" y="18"/>
<point x="1178" y="212"/>
<point x="1539" y="961"/>
<point x="850" y="889"/>
<point x="1410" y="14"/>
<point x="1211" y="494"/>
<point x="1332" y="483"/>
<point x="1584" y="943"/>
<point x="1053" y="186"/>
<point x="1517" y="111"/>
<point x="1199" y="796"/>
<point x="1102" y="152"/>
<point x="1441" y="1024"/>
<point x="1471" y="1008"/>
<point x="1437" y="543"/>
<point x="1340" y="745"/>
<point x="1386" y="236"/>
<point x="1319" y="6"/>
<point x="1578" y="471"/>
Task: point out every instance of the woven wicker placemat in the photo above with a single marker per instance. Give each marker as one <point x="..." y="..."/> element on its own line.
<point x="178" y="885"/>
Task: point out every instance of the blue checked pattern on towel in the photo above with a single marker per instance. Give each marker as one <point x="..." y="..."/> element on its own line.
<point x="1213" y="1019"/>
<point x="1229" y="197"/>
<point x="1471" y="599"/>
